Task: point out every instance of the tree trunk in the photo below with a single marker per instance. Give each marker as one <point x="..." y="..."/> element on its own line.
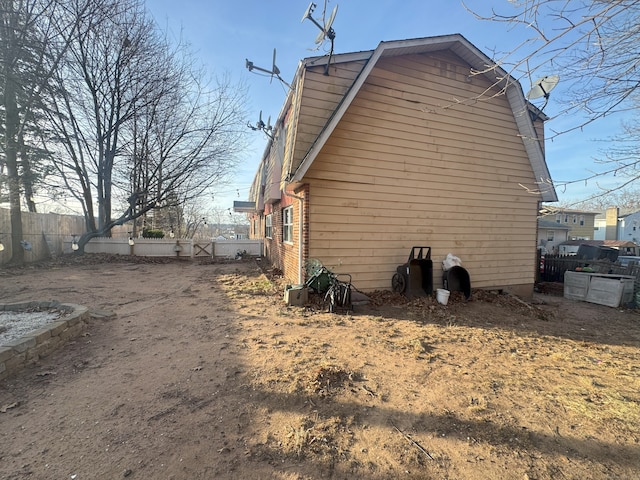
<point x="27" y="177"/>
<point x="11" y="157"/>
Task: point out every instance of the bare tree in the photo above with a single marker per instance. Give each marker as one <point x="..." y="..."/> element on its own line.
<point x="33" y="39"/>
<point x="627" y="200"/>
<point x="591" y="44"/>
<point x="138" y="129"/>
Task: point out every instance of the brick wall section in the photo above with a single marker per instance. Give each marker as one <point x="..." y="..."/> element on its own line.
<point x="273" y="244"/>
<point x="19" y="353"/>
<point x="291" y="251"/>
<point x="284" y="256"/>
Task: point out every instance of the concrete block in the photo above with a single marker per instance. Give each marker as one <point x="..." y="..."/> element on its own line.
<point x="296" y="295"/>
<point x="58" y="327"/>
<point x="41" y="334"/>
<point x="21" y="344"/>
<point x="6" y="353"/>
<point x="49" y="345"/>
<point x="32" y="355"/>
<point x="72" y="332"/>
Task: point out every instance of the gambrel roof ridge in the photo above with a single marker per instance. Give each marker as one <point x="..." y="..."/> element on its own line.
<point x="480" y="65"/>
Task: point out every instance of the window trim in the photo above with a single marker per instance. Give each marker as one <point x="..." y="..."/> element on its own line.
<point x="287" y="224"/>
<point x="268" y="226"/>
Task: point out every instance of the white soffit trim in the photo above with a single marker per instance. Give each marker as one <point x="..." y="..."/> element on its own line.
<point x="531" y="143"/>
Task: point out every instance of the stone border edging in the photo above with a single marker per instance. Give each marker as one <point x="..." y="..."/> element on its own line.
<point x="17" y="354"/>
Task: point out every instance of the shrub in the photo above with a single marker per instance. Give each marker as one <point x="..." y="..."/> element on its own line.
<point x="150" y="233"/>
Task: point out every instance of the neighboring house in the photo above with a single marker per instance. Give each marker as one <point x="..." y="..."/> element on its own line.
<point x="581" y="223"/>
<point x="629" y="227"/>
<point x="600" y="226"/>
<point x="412" y="144"/>
<point x="550" y="235"/>
<point x="612" y="225"/>
<point x="570" y="247"/>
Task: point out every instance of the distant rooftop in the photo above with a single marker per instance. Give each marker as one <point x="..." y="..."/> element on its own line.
<point x="244" y="207"/>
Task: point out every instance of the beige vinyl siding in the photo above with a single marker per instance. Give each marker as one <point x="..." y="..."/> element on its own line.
<point x="421" y="165"/>
<point x="320" y="97"/>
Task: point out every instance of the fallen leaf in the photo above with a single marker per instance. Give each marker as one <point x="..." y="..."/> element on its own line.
<point x="9" y="407"/>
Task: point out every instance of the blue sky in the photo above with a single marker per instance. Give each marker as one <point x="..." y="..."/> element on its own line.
<point x="223" y="34"/>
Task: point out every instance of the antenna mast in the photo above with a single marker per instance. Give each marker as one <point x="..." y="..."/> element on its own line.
<point x="267" y="129"/>
<point x="326" y="31"/>
<point x="274" y="72"/>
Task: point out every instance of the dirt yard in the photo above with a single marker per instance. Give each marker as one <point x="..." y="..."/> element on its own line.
<point x="202" y="372"/>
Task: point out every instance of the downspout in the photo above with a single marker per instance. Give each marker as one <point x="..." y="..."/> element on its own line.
<point x="288" y="176"/>
<point x="300" y="234"/>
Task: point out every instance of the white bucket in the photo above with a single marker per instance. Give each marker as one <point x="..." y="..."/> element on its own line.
<point x="442" y="296"/>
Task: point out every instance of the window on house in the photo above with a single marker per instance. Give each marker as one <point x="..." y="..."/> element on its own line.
<point x="575" y="219"/>
<point x="558" y="218"/>
<point x="287" y="224"/>
<point x="268" y="228"/>
<point x="550" y="235"/>
<point x="566" y="219"/>
<point x="582" y="220"/>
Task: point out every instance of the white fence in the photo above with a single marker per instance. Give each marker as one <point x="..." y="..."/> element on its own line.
<point x="161" y="247"/>
<point x="230" y="248"/>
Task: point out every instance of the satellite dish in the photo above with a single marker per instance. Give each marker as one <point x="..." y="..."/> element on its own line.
<point x="326" y="31"/>
<point x="332" y="17"/>
<point x="541" y="89"/>
<point x="308" y="12"/>
<point x="543" y="86"/>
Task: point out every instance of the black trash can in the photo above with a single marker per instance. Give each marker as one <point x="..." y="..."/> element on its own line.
<point x="457" y="279"/>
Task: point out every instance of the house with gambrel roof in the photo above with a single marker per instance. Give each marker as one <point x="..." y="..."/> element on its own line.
<point x="418" y="142"/>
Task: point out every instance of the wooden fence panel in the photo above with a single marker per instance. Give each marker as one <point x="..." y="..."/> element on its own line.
<point x="44" y="232"/>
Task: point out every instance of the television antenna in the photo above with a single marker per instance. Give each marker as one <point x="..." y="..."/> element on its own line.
<point x="274" y="72"/>
<point x="326" y="30"/>
<point x="266" y="128"/>
<point x="542" y="88"/>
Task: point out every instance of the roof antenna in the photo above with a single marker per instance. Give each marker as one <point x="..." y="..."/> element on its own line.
<point x="542" y="88"/>
<point x="260" y="125"/>
<point x="274" y="72"/>
<point x="325" y="30"/>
